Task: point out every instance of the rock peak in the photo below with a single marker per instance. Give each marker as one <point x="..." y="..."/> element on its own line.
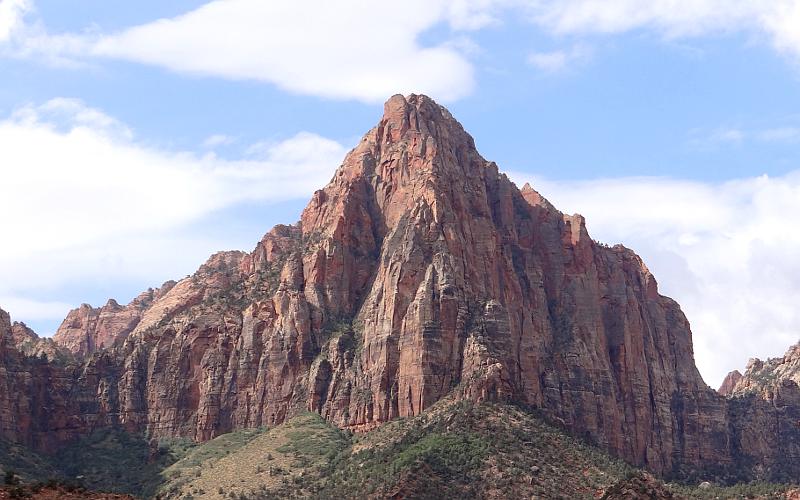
<point x="418" y="116"/>
<point x="398" y="106"/>
<point x="729" y="384"/>
<point x="534" y="198"/>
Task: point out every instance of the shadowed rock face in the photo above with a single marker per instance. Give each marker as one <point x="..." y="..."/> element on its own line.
<point x="418" y="271"/>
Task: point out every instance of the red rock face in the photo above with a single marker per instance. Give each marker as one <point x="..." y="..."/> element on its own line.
<point x="86" y="329"/>
<point x="35" y="404"/>
<point x="729" y="384"/>
<point x="419" y="271"/>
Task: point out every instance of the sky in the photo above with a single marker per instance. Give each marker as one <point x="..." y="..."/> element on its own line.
<point x="137" y="138"/>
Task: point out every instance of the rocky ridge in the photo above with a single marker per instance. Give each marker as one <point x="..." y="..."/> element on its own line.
<point x="87" y="330"/>
<point x="419" y="271"/>
<point x="768" y="379"/>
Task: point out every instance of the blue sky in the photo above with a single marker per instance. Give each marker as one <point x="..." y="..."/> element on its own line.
<point x="141" y="137"/>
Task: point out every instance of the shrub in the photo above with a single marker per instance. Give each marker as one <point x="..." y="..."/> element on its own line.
<point x="11" y="478"/>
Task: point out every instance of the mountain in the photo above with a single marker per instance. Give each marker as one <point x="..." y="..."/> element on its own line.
<point x="419" y="272"/>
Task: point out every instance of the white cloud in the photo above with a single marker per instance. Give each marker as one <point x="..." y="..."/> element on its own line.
<point x="777" y="20"/>
<point x="34" y="310"/>
<point x="720" y="136"/>
<point x="727" y="253"/>
<point x="782" y="21"/>
<point x="736" y="135"/>
<point x="11" y="13"/>
<point x="65" y="114"/>
<point x="781" y="134"/>
<point x="358" y="49"/>
<point x="475" y="14"/>
<point x="727" y="135"/>
<point x="217" y="140"/>
<point x="80" y="199"/>
<point x="559" y="60"/>
<point x="352" y="49"/>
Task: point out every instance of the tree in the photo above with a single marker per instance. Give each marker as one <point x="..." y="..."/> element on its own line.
<point x="11" y="478"/>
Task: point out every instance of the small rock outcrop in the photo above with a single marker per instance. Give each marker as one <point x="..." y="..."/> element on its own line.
<point x="728" y="385"/>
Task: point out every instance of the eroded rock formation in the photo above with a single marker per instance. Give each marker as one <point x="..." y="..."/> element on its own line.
<point x="420" y="270"/>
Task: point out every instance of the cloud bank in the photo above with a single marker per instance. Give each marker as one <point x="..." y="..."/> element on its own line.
<point x="350" y="49"/>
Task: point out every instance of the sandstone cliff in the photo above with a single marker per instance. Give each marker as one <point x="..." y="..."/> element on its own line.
<point x="420" y="270"/>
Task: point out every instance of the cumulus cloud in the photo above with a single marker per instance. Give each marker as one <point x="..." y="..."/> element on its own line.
<point x="82" y="200"/>
<point x="726" y="252"/>
<point x="351" y="49"/>
<point x="11" y="13"/>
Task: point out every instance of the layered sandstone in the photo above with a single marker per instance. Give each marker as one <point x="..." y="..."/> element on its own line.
<point x="419" y="271"/>
<point x="86" y="329"/>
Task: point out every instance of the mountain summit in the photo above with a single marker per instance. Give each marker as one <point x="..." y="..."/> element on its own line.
<point x="418" y="272"/>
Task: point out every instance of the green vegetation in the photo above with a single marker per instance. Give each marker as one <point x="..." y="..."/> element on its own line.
<point x="107" y="460"/>
<point x="313" y="437"/>
<point x="460" y="450"/>
<point x="760" y="490"/>
<point x="117" y="461"/>
<point x="453" y="450"/>
<point x="26" y="464"/>
<point x="257" y="464"/>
